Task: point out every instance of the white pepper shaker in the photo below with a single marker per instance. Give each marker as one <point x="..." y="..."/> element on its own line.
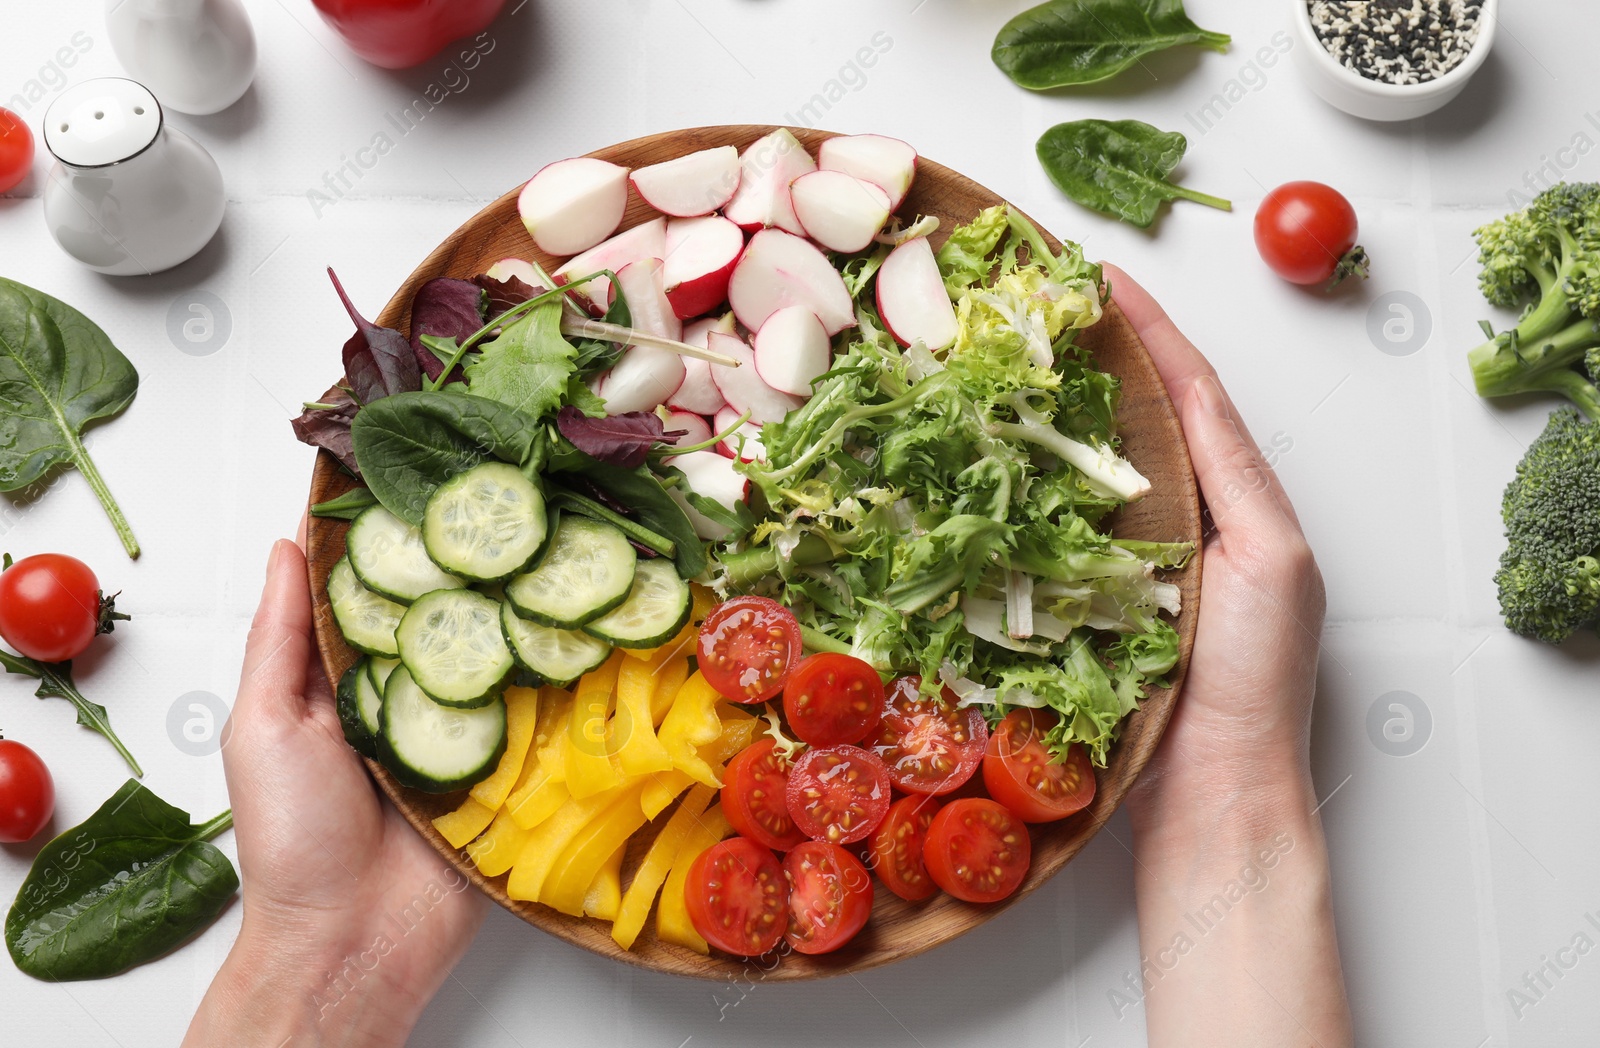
<point x="127" y="195"/>
<point x="198" y="56"/>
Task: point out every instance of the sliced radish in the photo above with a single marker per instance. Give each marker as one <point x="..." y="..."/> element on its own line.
<point x="701" y="253"/>
<point x="742" y="386"/>
<point x="642" y="380"/>
<point x="778" y="269"/>
<point x="572" y="205"/>
<point x="696" y="184"/>
<point x="912" y="298"/>
<point x="696" y="430"/>
<point x="507" y="268"/>
<point x="839" y="211"/>
<point x="645" y="240"/>
<point x="883" y="161"/>
<point x="743" y="443"/>
<point x="792" y="348"/>
<point x="711" y="476"/>
<point x="765" y="171"/>
<point x="643" y="284"/>
<point x="699" y="393"/>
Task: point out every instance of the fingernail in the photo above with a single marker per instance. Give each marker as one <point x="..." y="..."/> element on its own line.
<point x="1209" y="393"/>
<point x="272" y="558"/>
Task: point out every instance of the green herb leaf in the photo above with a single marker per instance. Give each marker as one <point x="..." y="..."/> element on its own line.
<point x="58" y="372"/>
<point x="131" y="882"/>
<point x="641" y="492"/>
<point x="55" y="682"/>
<point x="1118" y="167"/>
<point x="1067" y="42"/>
<point x="347" y="506"/>
<point x="528" y="366"/>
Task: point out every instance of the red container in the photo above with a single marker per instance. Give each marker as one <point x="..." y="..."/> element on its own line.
<point x="398" y="34"/>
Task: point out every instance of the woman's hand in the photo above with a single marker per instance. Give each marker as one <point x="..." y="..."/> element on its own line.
<point x="351" y="921"/>
<point x="1235" y="914"/>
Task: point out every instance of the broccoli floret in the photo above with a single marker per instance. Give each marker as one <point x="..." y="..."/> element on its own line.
<point x="1549" y="575"/>
<point x="1547" y="256"/>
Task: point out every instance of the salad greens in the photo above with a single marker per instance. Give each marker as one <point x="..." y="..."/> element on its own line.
<point x="55" y="682"/>
<point x="938" y="511"/>
<point x="1118" y="167"/>
<point x="1069" y="42"/>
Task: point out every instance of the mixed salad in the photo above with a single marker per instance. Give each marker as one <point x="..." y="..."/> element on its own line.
<point x="765" y="508"/>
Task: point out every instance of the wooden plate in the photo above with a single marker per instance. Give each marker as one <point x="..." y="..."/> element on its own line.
<point x="1153" y="441"/>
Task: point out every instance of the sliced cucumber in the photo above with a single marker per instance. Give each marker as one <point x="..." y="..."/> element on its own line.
<point x="556" y="656"/>
<point x="366" y="619"/>
<point x="585" y="572"/>
<point x="369" y="699"/>
<point x="362" y="736"/>
<point x="485" y="524"/>
<point x="451" y="642"/>
<point x="389" y="558"/>
<point x="437" y="748"/>
<point x="656" y="609"/>
<point x="379" y="668"/>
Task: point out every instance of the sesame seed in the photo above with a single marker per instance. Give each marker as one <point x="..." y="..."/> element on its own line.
<point x="1397" y="41"/>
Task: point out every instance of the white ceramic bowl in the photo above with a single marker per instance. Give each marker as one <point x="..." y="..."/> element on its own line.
<point x="1372" y="99"/>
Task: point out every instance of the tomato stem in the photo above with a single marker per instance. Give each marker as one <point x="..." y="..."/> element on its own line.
<point x="1353" y="264"/>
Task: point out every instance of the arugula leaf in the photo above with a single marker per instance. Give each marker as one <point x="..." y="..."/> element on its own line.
<point x="1069" y="42"/>
<point x="1118" y="167"/>
<point x="378" y="361"/>
<point x="528" y="365"/>
<point x="55" y="682"/>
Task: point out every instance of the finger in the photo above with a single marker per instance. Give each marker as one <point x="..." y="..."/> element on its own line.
<point x="273" y="680"/>
<point x="300" y="533"/>
<point x="1237" y="485"/>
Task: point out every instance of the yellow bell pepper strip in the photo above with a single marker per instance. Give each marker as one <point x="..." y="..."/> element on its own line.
<point x="639" y="752"/>
<point x="605" y="894"/>
<point x="522" y="714"/>
<point x="580" y="862"/>
<point x="466" y="822"/>
<point x="499" y="847"/>
<point x="548" y="840"/>
<point x="543" y="800"/>
<point x="669" y="678"/>
<point x="543" y="785"/>
<point x="738" y="730"/>
<point x="655" y="866"/>
<point x="591" y="768"/>
<point x="692" y="722"/>
<point x="672" y="915"/>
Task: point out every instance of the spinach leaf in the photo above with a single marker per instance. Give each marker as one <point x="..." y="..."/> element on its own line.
<point x="58" y="372"/>
<point x="1066" y="42"/>
<point x="1118" y="167"/>
<point x="131" y="882"/>
<point x="55" y="682"/>
<point x="347" y="506"/>
<point x="378" y="361"/>
<point x="410" y="443"/>
<point x="528" y="365"/>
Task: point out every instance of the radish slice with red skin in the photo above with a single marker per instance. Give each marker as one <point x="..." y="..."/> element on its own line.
<point x="643" y="284"/>
<point x="912" y="299"/>
<point x="645" y="240"/>
<point x="792" y="349"/>
<point x="701" y="253"/>
<point x="642" y="380"/>
<point x="778" y="269"/>
<point x="839" y="211"/>
<point x="695" y="184"/>
<point x="765" y="170"/>
<point x="699" y="394"/>
<point x="743" y="443"/>
<point x="742" y="386"/>
<point x="572" y="205"/>
<point x="883" y="161"/>
<point x="712" y="476"/>
<point x="696" y="430"/>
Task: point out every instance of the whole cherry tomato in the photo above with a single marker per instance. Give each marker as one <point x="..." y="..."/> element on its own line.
<point x="1306" y="232"/>
<point x="16" y="150"/>
<point x="51" y="607"/>
<point x="27" y="793"/>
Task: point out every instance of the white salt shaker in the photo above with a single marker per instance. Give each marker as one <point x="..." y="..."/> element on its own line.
<point x="127" y="195"/>
<point x="198" y="56"/>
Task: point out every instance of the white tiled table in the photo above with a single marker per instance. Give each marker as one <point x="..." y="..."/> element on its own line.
<point x="1458" y="868"/>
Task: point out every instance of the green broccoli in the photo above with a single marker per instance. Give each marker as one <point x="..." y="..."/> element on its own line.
<point x="1546" y="256"/>
<point x="1549" y="575"/>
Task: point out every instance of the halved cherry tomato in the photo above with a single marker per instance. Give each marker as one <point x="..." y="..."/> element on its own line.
<point x="737" y="897"/>
<point x="838" y="794"/>
<point x="928" y="746"/>
<point x="1019" y="773"/>
<point x="832" y="699"/>
<point x="977" y="850"/>
<point x="747" y="648"/>
<point x="755" y="796"/>
<point x="830" y="897"/>
<point x="51" y="607"/>
<point x="897" y="846"/>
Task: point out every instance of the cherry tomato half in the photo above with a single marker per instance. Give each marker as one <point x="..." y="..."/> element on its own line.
<point x="830" y="897"/>
<point x="747" y="648"/>
<point x="755" y="796"/>
<point x="1019" y="773"/>
<point x="737" y="897"/>
<point x="897" y="846"/>
<point x="832" y="699"/>
<point x="1306" y="232"/>
<point x="977" y="850"/>
<point x="50" y="607"/>
<point x="928" y="745"/>
<point x="838" y="794"/>
<point x="27" y="793"/>
<point x="16" y="150"/>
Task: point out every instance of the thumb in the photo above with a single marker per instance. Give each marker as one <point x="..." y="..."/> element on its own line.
<point x="1236" y="483"/>
<point x="273" y="680"/>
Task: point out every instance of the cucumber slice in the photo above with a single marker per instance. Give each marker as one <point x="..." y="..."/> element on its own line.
<point x="656" y="609"/>
<point x="389" y="558"/>
<point x="379" y="668"/>
<point x="451" y="642"/>
<point x="485" y="524"/>
<point x="361" y="736"/>
<point x="367" y="620"/>
<point x="437" y="748"/>
<point x="585" y="572"/>
<point x="369" y="700"/>
<point x="556" y="656"/>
